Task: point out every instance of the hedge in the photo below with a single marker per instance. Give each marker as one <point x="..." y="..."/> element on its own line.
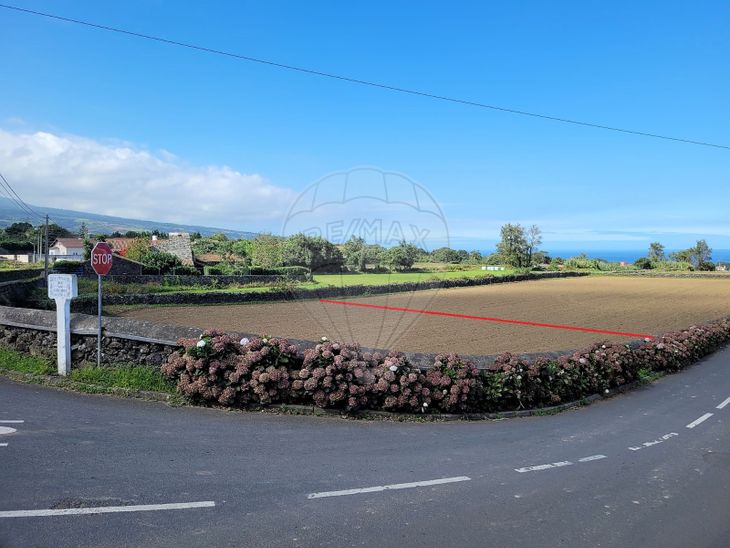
<point x="215" y="369"/>
<point x="286" y="271"/>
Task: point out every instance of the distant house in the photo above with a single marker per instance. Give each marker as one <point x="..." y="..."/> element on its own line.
<point x="177" y="244"/>
<point x="721" y="268"/>
<point x="67" y="249"/>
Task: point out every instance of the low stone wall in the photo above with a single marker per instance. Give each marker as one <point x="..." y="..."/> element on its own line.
<point x="15" y="275"/>
<point x="192" y="280"/>
<point x="670" y="274"/>
<point x="17" y="293"/>
<point x="87" y="304"/>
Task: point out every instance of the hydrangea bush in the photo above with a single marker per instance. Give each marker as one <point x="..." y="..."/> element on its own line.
<point x="216" y="369"/>
<point x="335" y="375"/>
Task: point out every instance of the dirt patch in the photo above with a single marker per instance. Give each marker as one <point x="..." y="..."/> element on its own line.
<point x="635" y="305"/>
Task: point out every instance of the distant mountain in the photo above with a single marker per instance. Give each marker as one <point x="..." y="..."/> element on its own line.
<point x="105" y="224"/>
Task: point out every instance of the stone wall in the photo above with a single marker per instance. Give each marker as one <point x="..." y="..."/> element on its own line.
<point x="185" y="279"/>
<point x="17" y="293"/>
<point x="14" y="275"/>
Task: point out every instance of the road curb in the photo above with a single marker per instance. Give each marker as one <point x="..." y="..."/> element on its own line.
<point x="63" y="383"/>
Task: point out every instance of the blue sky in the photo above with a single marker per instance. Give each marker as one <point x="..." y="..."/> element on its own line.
<point x="261" y="135"/>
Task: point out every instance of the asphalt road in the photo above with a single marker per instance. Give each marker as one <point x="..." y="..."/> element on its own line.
<point x="623" y="472"/>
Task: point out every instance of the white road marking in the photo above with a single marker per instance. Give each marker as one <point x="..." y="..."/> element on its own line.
<point x="592" y="457"/>
<point x="3" y="444"/>
<point x="646" y="444"/>
<point x="723" y="404"/>
<point x="543" y="466"/>
<point x="105" y="509"/>
<point x="11" y="422"/>
<point x="559" y="464"/>
<point x="7" y="430"/>
<point x="702" y="419"/>
<point x="378" y="488"/>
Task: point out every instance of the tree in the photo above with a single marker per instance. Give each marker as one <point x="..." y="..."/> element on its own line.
<point x="161" y="260"/>
<point x="697" y="255"/>
<point x="702" y="253"/>
<point x="266" y="250"/>
<point x="644" y="263"/>
<point x="21" y="230"/>
<point x="313" y="252"/>
<point x="354" y="253"/>
<point x="56" y="231"/>
<point x="84" y="231"/>
<point x="401" y="257"/>
<point x="513" y="245"/>
<point x="533" y="238"/>
<point x="475" y="257"/>
<point x="138" y="250"/>
<point x="656" y="252"/>
<point x="445" y="255"/>
<point x="683" y="256"/>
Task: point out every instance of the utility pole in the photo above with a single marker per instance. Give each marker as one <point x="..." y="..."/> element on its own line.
<point x="45" y="268"/>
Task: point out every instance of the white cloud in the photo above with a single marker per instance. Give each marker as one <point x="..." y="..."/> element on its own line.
<point x="73" y="172"/>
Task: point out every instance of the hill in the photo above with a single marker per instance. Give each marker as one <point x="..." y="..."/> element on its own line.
<point x="105" y="224"/>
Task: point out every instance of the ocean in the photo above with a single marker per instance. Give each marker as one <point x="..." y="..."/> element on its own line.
<point x="629" y="256"/>
<point x="618" y="255"/>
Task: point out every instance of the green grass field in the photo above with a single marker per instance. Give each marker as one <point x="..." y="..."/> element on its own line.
<point x="87" y="286"/>
<point x="340" y="280"/>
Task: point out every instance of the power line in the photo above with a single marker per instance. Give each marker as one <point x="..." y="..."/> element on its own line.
<point x="16" y="198"/>
<point x="358" y="81"/>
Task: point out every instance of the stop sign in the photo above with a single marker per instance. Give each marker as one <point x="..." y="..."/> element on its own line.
<point x="101" y="258"/>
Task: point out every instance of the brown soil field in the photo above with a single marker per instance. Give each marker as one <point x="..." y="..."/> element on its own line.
<point x="635" y="305"/>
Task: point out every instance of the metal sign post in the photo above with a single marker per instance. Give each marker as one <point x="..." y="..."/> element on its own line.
<point x="98" y="331"/>
<point x="62" y="288"/>
<point x="101" y="262"/>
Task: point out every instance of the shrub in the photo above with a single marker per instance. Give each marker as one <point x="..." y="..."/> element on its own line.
<point x="68" y="267"/>
<point x="673" y="265"/>
<point x="335" y="375"/>
<point x="400" y="386"/>
<point x="644" y="263"/>
<point x="217" y="369"/>
<point x="456" y="384"/>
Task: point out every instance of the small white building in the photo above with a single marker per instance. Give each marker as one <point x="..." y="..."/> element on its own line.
<point x="67" y="249"/>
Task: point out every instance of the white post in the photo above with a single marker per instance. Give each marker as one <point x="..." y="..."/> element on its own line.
<point x="62" y="288"/>
<point x="63" y="335"/>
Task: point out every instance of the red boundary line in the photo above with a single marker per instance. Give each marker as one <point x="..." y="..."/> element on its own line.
<point x="487" y="319"/>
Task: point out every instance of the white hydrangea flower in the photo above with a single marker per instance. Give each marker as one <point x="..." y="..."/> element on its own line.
<point x="244" y="341"/>
<point x="265" y="340"/>
<point x="324" y="339"/>
<point x="200" y="343"/>
<point x="393" y="368"/>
